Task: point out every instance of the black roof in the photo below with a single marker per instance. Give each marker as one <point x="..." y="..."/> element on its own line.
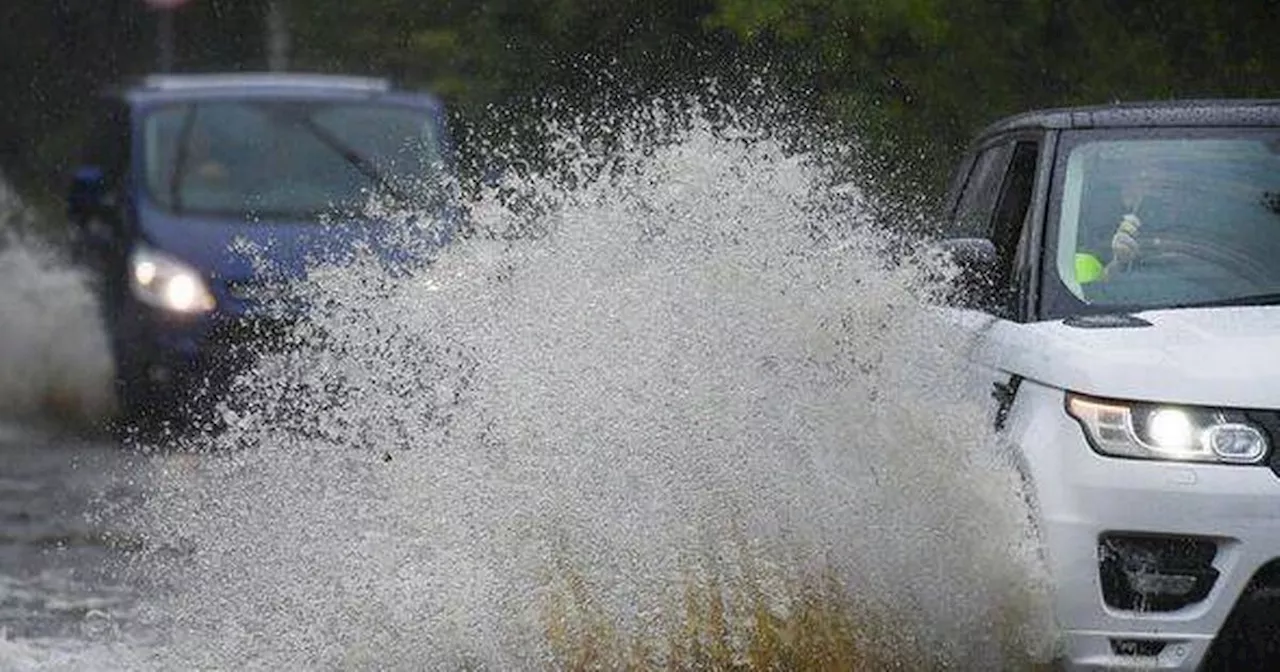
<point x="1207" y="112"/>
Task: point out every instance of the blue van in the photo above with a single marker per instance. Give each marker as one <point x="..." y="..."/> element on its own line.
<point x="197" y="191"/>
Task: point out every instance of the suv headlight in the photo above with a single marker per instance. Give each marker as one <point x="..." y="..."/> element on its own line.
<point x="1168" y="432"/>
<point x="166" y="282"/>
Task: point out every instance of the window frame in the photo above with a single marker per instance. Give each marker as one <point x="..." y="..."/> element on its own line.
<point x="1019" y="296"/>
<point x="967" y="186"/>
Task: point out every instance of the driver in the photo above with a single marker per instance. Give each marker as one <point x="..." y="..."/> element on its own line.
<point x="204" y="160"/>
<point x="1125" y="240"/>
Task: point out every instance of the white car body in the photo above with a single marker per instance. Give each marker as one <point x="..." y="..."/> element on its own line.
<point x="1119" y="268"/>
<point x="1221" y="357"/>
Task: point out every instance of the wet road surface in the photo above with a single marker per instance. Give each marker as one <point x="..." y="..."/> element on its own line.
<point x="59" y="549"/>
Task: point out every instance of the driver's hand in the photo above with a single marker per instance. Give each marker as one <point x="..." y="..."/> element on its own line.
<point x="1124" y="244"/>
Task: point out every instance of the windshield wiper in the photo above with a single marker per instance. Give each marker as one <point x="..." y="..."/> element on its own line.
<point x="361" y="162"/>
<point x="1270" y="299"/>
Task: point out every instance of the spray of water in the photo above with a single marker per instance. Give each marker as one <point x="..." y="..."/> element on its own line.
<point x="54" y="358"/>
<point x="691" y="416"/>
<point x="55" y="371"/>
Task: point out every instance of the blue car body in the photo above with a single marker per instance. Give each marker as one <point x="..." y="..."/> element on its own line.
<point x="129" y="224"/>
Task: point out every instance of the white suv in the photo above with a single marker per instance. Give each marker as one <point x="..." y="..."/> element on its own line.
<point x="1121" y="265"/>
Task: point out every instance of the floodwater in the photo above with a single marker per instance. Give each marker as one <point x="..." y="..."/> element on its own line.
<point x="684" y="412"/>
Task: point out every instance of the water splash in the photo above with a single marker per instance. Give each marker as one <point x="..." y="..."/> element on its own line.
<point x="679" y="409"/>
<point x="64" y="655"/>
<point x="55" y="361"/>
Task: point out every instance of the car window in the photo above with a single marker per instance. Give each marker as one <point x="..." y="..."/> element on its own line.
<point x="978" y="198"/>
<point x="994" y="205"/>
<point x="288" y="159"/>
<point x="1166" y="218"/>
<point x="404" y="149"/>
<point x="1009" y="227"/>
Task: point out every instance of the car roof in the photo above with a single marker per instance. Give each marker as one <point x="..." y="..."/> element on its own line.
<point x="1154" y="113"/>
<point x="169" y="87"/>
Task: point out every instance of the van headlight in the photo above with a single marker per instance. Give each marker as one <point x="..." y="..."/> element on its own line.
<point x="1168" y="432"/>
<point x="163" y="281"/>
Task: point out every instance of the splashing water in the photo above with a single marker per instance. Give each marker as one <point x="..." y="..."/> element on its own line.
<point x="54" y="358"/>
<point x="699" y="420"/>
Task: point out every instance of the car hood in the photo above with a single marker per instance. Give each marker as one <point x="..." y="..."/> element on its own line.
<point x="1207" y="356"/>
<point x="232" y="249"/>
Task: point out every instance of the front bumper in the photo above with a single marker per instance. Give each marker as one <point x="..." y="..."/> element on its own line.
<point x="168" y="361"/>
<point x="1084" y="498"/>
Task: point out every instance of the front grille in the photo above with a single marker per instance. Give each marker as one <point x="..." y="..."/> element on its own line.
<point x="1138" y="647"/>
<point x="1155" y="572"/>
<point x="242" y="290"/>
<point x="257" y="289"/>
<point x="245" y="337"/>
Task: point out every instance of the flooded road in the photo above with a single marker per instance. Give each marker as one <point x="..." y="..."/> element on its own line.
<point x="54" y="560"/>
<point x="60" y="556"/>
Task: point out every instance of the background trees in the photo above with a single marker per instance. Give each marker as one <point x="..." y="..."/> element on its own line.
<point x="923" y="74"/>
<point x="912" y="77"/>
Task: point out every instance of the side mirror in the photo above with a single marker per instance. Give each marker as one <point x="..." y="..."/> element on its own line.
<point x="89" y="207"/>
<point x="88" y="197"/>
<point x="978" y="267"/>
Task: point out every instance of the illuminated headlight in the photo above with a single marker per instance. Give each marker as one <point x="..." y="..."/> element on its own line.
<point x="1166" y="432"/>
<point x="162" y="281"/>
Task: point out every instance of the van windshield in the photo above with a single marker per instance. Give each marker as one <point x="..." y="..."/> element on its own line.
<point x="289" y="159"/>
<point x="1164" y="218"/>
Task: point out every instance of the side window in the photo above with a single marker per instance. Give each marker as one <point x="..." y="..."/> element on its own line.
<point x="1009" y="228"/>
<point x="977" y="202"/>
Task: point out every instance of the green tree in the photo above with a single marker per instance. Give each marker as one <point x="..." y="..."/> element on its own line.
<point x="917" y="77"/>
<point x="912" y="78"/>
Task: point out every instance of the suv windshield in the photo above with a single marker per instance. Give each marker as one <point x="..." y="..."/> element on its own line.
<point x="1162" y="218"/>
<point x="289" y="159"/>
